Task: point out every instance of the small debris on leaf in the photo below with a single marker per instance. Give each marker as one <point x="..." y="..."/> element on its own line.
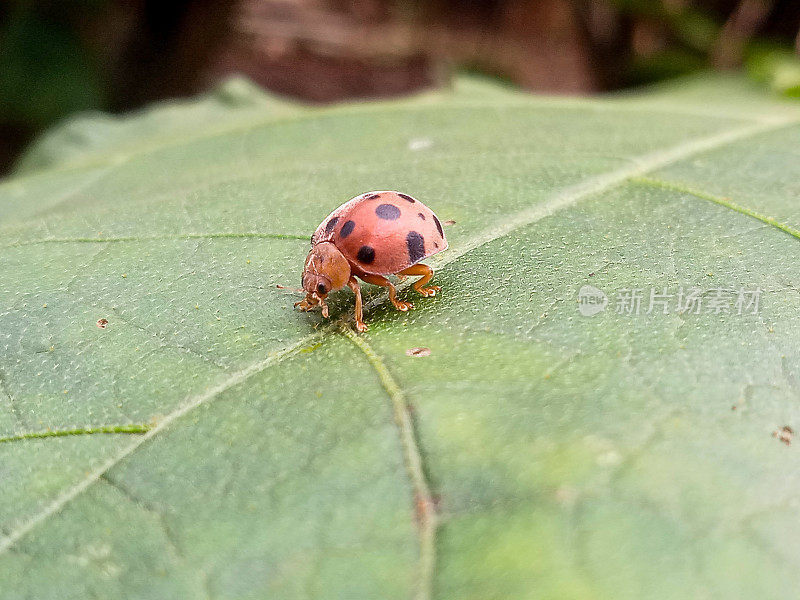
<point x="418" y="352"/>
<point x="280" y="287"/>
<point x="102" y="323"/>
<point x="420" y="144"/>
<point x="448" y="222"/>
<point x="784" y="434"/>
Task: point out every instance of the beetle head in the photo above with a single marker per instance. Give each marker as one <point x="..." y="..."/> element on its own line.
<point x="325" y="270"/>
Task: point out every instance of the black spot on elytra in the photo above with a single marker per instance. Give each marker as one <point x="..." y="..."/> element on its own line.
<point x="438" y="225"/>
<point x="347" y="229"/>
<point x="436" y="245"/>
<point x="371" y="196"/>
<point x="331" y="224"/>
<point x="406" y="197"/>
<point x="366" y="254"/>
<point x="416" y="246"/>
<point x="421" y="216"/>
<point x="387" y="211"/>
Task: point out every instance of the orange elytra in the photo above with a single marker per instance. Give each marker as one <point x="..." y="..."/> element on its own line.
<point x="371" y="236"/>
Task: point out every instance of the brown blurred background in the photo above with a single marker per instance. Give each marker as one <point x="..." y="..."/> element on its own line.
<point x="62" y="56"/>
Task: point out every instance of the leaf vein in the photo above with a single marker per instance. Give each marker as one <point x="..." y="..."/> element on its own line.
<point x="722" y="201"/>
<point x="426" y="510"/>
<point x="135" y="428"/>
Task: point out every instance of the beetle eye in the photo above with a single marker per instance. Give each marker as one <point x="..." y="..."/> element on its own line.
<point x="321" y="288"/>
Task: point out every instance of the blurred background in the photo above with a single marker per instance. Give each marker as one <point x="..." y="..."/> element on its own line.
<point x="62" y="56"/>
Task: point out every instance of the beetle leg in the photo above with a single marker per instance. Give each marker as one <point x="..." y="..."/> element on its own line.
<point x="360" y="325"/>
<point x="323" y="306"/>
<point x="307" y="303"/>
<point x="427" y="273"/>
<point x="378" y="280"/>
<point x="310" y="302"/>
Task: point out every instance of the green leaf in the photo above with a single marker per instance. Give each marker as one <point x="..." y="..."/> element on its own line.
<point x="209" y="441"/>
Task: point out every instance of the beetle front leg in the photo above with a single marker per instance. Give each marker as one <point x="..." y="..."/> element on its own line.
<point x="311" y="301"/>
<point x="361" y="327"/>
<point x="307" y="303"/>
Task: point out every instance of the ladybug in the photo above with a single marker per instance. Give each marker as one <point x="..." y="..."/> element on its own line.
<point x="371" y="236"/>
